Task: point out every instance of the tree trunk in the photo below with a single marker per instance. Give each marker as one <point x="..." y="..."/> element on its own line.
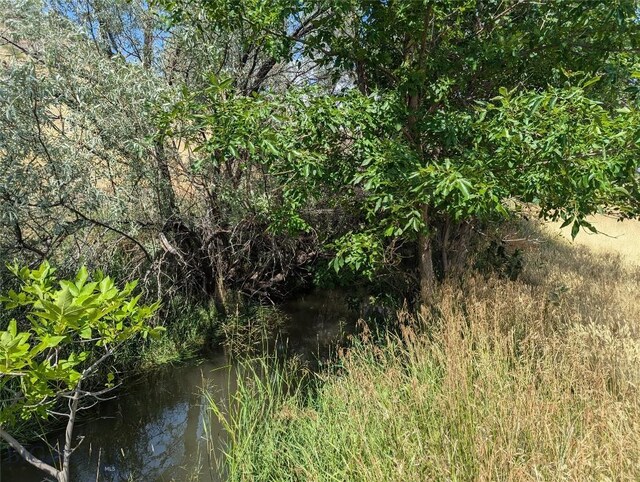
<point x="63" y="473"/>
<point x="425" y="263"/>
<point x="220" y="295"/>
<point x="445" y="247"/>
<point x="166" y="195"/>
<point x="147" y="44"/>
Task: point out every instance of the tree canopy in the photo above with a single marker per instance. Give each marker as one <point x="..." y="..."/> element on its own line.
<point x="240" y="145"/>
<point x="446" y="112"/>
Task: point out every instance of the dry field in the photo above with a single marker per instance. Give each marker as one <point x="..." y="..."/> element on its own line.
<point x="615" y="237"/>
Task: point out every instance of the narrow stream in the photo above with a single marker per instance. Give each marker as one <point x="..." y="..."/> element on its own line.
<point x="159" y="429"/>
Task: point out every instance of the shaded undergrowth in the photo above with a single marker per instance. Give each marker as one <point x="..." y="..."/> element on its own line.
<point x="535" y="379"/>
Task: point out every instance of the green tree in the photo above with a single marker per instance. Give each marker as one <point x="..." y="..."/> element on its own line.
<point x="493" y="104"/>
<point x="208" y="149"/>
<point x="53" y="357"/>
<point x="448" y="112"/>
<point x="91" y="175"/>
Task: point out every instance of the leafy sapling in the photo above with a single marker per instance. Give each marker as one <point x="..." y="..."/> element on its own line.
<point x="54" y="356"/>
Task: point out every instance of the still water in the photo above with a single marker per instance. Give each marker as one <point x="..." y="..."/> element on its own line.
<point x="159" y="428"/>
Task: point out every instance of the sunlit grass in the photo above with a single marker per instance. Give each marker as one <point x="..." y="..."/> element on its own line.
<point x="535" y="379"/>
<point x="614" y="237"/>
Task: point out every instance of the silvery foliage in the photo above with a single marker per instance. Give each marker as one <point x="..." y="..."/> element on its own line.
<point x="76" y="129"/>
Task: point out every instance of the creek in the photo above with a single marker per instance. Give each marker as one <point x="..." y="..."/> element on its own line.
<point x="159" y="427"/>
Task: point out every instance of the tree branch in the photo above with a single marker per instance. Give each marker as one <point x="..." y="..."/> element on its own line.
<point x="111" y="228"/>
<point x="24" y="453"/>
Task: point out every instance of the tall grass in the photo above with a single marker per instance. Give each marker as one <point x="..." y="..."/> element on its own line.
<point x="535" y="379"/>
<point x="194" y="330"/>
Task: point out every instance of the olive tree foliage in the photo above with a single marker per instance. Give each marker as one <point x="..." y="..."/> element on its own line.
<point x="96" y="172"/>
<point x="79" y="166"/>
<point x="54" y="353"/>
<point x="452" y="113"/>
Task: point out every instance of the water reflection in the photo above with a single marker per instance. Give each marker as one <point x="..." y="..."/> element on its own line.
<point x="153" y="432"/>
<point x="160" y="429"/>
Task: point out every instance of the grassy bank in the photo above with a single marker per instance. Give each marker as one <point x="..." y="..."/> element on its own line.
<point x="192" y="331"/>
<point x="535" y="379"/>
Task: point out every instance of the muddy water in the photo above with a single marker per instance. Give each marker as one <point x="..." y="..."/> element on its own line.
<point x="159" y="429"/>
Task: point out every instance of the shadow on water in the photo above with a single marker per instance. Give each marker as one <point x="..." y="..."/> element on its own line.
<point x="158" y="428"/>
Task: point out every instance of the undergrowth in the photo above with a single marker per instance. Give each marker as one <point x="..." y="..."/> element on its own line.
<point x="535" y="379"/>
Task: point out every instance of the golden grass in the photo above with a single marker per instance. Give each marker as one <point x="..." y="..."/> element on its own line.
<point x="614" y="237"/>
<point x="536" y="379"/>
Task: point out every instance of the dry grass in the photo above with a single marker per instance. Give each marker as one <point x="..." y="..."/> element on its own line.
<point x="530" y="380"/>
<point x="616" y="237"/>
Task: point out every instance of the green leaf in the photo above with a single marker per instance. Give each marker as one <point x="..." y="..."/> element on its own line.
<point x="463" y="186"/>
<point x="157" y="332"/>
<point x="567" y="222"/>
<point x="575" y="229"/>
<point x="592" y="81"/>
<point x="85" y="333"/>
<point x="81" y="277"/>
<point x="52" y="341"/>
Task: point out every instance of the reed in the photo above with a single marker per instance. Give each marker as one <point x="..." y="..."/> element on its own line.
<point x="535" y="379"/>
